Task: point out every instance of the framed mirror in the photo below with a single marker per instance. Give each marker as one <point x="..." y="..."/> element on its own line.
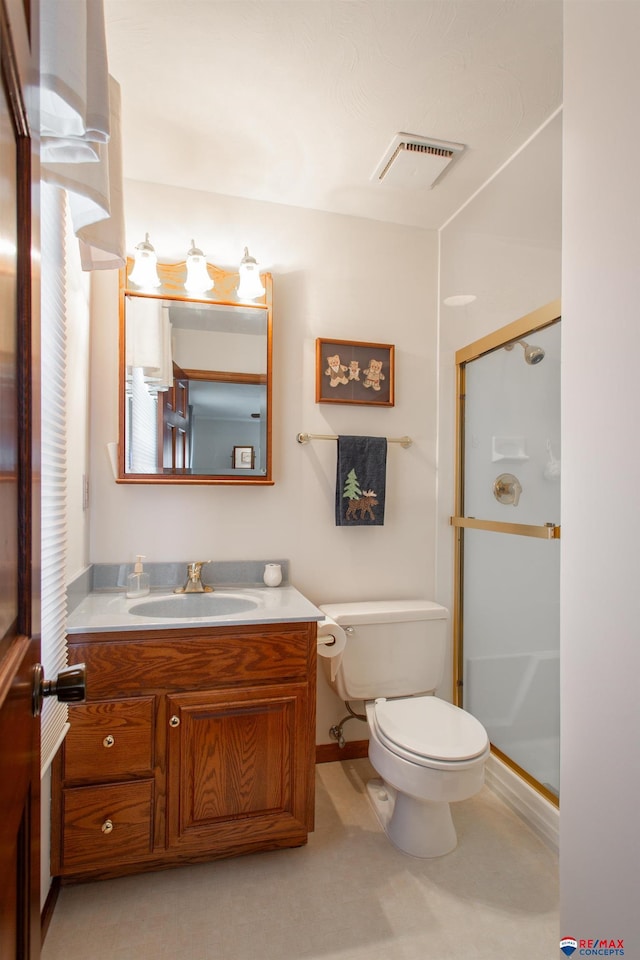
<point x="195" y="381"/>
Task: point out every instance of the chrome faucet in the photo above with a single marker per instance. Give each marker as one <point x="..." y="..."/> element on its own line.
<point x="194" y="582"/>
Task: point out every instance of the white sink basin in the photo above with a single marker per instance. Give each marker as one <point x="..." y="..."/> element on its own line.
<point x="189" y="606"/>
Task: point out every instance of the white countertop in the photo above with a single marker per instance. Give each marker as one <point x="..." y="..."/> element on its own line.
<point x="103" y="611"/>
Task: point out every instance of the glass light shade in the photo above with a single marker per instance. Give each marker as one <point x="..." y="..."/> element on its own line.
<point x="145" y="273"/>
<point x="250" y="286"/>
<point x="198" y="278"/>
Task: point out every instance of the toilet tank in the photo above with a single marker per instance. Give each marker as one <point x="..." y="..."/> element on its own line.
<point x="395" y="648"/>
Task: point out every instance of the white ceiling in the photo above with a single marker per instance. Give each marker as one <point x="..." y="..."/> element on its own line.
<point x="296" y="101"/>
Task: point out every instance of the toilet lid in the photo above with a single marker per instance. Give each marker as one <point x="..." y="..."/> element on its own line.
<point x="430" y="727"/>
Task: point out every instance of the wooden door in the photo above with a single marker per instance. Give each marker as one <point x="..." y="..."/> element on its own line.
<point x="19" y="730"/>
<point x="175" y="424"/>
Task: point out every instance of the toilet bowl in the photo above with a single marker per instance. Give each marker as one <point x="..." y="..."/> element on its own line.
<point x="428" y="753"/>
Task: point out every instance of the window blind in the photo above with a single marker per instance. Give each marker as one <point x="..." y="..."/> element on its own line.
<point x="54" y="457"/>
<point x="142" y="437"/>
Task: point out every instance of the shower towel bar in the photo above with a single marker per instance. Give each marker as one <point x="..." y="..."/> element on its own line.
<point x="306" y="437"/>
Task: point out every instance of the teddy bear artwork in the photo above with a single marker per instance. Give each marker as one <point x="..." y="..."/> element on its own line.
<point x="336" y="371"/>
<point x="353" y="372"/>
<point x="374" y="374"/>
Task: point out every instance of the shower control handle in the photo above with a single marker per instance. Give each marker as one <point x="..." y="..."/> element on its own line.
<point x="507" y="489"/>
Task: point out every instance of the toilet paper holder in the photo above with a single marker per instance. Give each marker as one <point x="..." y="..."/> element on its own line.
<point x="332" y="642"/>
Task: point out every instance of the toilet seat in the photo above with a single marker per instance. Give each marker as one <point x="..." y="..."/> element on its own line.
<point x="428" y="731"/>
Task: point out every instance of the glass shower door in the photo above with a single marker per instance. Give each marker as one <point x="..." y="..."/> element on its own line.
<point x="507" y="605"/>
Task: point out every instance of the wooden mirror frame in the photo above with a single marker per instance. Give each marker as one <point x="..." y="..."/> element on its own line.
<point x="172" y="277"/>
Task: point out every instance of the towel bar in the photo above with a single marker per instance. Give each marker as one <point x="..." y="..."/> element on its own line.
<point x="306" y="437"/>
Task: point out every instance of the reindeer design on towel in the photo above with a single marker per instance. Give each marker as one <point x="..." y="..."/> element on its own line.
<point x="364" y="504"/>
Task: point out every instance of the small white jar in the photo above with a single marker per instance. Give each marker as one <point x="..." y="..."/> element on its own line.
<point x="272" y="574"/>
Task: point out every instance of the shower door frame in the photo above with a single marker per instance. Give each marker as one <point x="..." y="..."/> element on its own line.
<point x="543" y="317"/>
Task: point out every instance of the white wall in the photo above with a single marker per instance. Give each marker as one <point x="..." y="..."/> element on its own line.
<point x="600" y="638"/>
<point x="213" y="441"/>
<point x="198" y="350"/>
<point x="334" y="276"/>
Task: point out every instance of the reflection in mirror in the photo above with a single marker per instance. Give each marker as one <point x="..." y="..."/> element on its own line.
<point x="195" y="383"/>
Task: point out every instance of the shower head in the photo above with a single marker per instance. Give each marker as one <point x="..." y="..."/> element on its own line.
<point x="531" y="354"/>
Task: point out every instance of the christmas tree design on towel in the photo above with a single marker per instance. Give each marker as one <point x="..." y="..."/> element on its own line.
<point x="361" y="481"/>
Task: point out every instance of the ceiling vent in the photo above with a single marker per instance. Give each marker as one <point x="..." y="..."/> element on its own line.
<point x="412" y="161"/>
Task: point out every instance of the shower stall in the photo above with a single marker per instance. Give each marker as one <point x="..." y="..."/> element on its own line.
<point x="507" y="528"/>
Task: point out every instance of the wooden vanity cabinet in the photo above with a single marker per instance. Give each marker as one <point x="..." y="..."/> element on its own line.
<point x="192" y="745"/>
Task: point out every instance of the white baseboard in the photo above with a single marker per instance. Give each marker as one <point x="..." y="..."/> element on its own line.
<point x="542" y="816"/>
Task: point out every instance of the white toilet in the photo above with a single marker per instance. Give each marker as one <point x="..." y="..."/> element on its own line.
<point x="427" y="751"/>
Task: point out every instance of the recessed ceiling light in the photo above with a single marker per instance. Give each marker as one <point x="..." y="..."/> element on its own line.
<point x="460" y="300"/>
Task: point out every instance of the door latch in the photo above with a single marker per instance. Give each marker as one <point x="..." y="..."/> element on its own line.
<point x="69" y="686"/>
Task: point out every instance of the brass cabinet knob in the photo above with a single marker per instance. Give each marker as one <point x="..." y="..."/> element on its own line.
<point x="107" y="826"/>
<point x="174" y="722"/>
<point x="108" y="741"/>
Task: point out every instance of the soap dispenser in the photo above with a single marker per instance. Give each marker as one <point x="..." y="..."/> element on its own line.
<point x="138" y="581"/>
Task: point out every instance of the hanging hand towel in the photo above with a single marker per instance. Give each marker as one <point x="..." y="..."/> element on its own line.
<point x="360" y="481"/>
<point x="148" y="339"/>
<point x="96" y="197"/>
<point x="102" y="242"/>
<point x="74" y="89"/>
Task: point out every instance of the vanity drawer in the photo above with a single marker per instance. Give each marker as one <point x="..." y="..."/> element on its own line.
<point x="119" y="665"/>
<point x="110" y="739"/>
<point x="106" y="825"/>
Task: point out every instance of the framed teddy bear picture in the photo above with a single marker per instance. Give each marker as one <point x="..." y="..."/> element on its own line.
<point x="350" y="371"/>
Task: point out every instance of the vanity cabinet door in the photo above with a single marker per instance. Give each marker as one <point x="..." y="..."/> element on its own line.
<point x="238" y="769"/>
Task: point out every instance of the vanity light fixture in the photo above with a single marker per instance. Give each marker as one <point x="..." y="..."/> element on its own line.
<point x="145" y="273"/>
<point x="250" y="286"/>
<point x="198" y="277"/>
